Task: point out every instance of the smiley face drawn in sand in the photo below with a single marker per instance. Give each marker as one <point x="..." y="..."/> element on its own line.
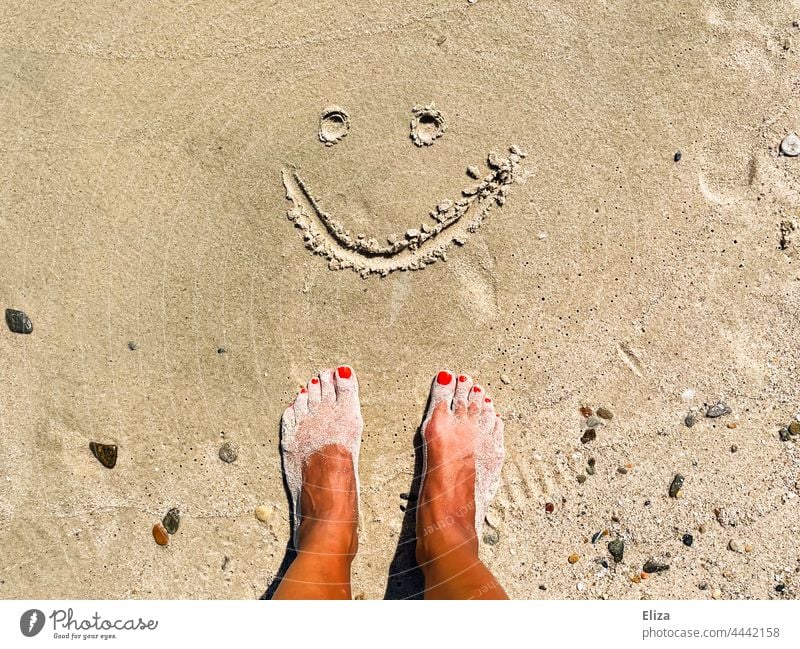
<point x="450" y="222"/>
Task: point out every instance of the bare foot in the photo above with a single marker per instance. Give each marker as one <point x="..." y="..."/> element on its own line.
<point x="463" y="454"/>
<point x="320" y="439"/>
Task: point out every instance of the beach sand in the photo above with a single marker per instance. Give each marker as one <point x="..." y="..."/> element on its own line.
<point x="175" y="307"/>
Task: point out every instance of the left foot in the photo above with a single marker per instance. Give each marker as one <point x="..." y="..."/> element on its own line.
<point x="320" y="440"/>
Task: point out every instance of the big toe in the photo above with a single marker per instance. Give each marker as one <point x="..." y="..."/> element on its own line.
<point x="442" y="389"/>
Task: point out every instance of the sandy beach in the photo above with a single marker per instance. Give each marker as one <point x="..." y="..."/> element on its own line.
<point x="582" y="204"/>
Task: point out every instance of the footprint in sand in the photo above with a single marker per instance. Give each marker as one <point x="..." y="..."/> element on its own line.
<point x="450" y="222"/>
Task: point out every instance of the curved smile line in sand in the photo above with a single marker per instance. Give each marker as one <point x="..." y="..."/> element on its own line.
<point x="417" y="248"/>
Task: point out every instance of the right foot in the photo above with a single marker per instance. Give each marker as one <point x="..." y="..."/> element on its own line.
<point x="320" y="439"/>
<point x="463" y="454"/>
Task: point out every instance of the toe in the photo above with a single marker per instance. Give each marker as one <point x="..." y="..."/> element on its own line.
<point x="443" y="389"/>
<point x="301" y="403"/>
<point x="346" y="385"/>
<point x="314" y="393"/>
<point x="487" y="407"/>
<point x="327" y="388"/>
<point x="476" y="398"/>
<point x="463" y="386"/>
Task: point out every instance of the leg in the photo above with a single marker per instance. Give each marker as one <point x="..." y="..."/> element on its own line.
<point x="320" y="437"/>
<point x="463" y="456"/>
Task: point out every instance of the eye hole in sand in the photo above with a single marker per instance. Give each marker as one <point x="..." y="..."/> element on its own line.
<point x="427" y="124"/>
<point x="334" y="124"/>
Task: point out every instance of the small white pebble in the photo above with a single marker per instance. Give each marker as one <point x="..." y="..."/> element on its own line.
<point x="542" y="236"/>
<point x="505" y="378"/>
<point x="263" y="513"/>
<point x="688" y="394"/>
<point x="790" y="145"/>
<point x="581" y="586"/>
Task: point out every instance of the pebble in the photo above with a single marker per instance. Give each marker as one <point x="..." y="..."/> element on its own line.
<point x="505" y="378"/>
<point x="717" y="410"/>
<point x="790" y="145"/>
<point x="18" y="322"/>
<point x="263" y="513"/>
<point x="172" y="520"/>
<point x="491" y="537"/>
<point x="779" y="588"/>
<point x="605" y="413"/>
<point x="580" y="586"/>
<point x="549" y="508"/>
<point x="701" y="529"/>
<point x="616" y="549"/>
<point x="735" y="546"/>
<point x="574" y="558"/>
<point x="581" y="479"/>
<point x="654" y="566"/>
<point x="473" y="172"/>
<point x="676" y="485"/>
<point x="589" y="435"/>
<point x="748" y="548"/>
<point x="222" y="350"/>
<point x="688" y="539"/>
<point x="716" y="593"/>
<point x="677" y="157"/>
<point x="622" y="470"/>
<point x="794" y="428"/>
<point x="227" y="453"/>
<point x="586" y="411"/>
<point x="690" y="420"/>
<point x="106" y="454"/>
<point x="160" y="534"/>
<point x="132" y="346"/>
<point x="734" y="448"/>
<point x="590" y="469"/>
<point x="784" y="434"/>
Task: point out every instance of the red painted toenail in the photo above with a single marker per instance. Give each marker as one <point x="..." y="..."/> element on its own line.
<point x="444" y="378"/>
<point x="344" y="372"/>
<point x="487" y="400"/>
<point x="497" y="415"/>
<point x="462" y="378"/>
<point x="302" y="390"/>
<point x="315" y="380"/>
<point x="476" y="389"/>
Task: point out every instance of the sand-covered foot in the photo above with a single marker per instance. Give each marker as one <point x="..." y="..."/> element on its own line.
<point x="462" y="457"/>
<point x="320" y="440"/>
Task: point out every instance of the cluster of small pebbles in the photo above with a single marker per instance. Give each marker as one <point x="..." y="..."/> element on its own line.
<point x="591" y="421"/>
<point x="167" y="527"/>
